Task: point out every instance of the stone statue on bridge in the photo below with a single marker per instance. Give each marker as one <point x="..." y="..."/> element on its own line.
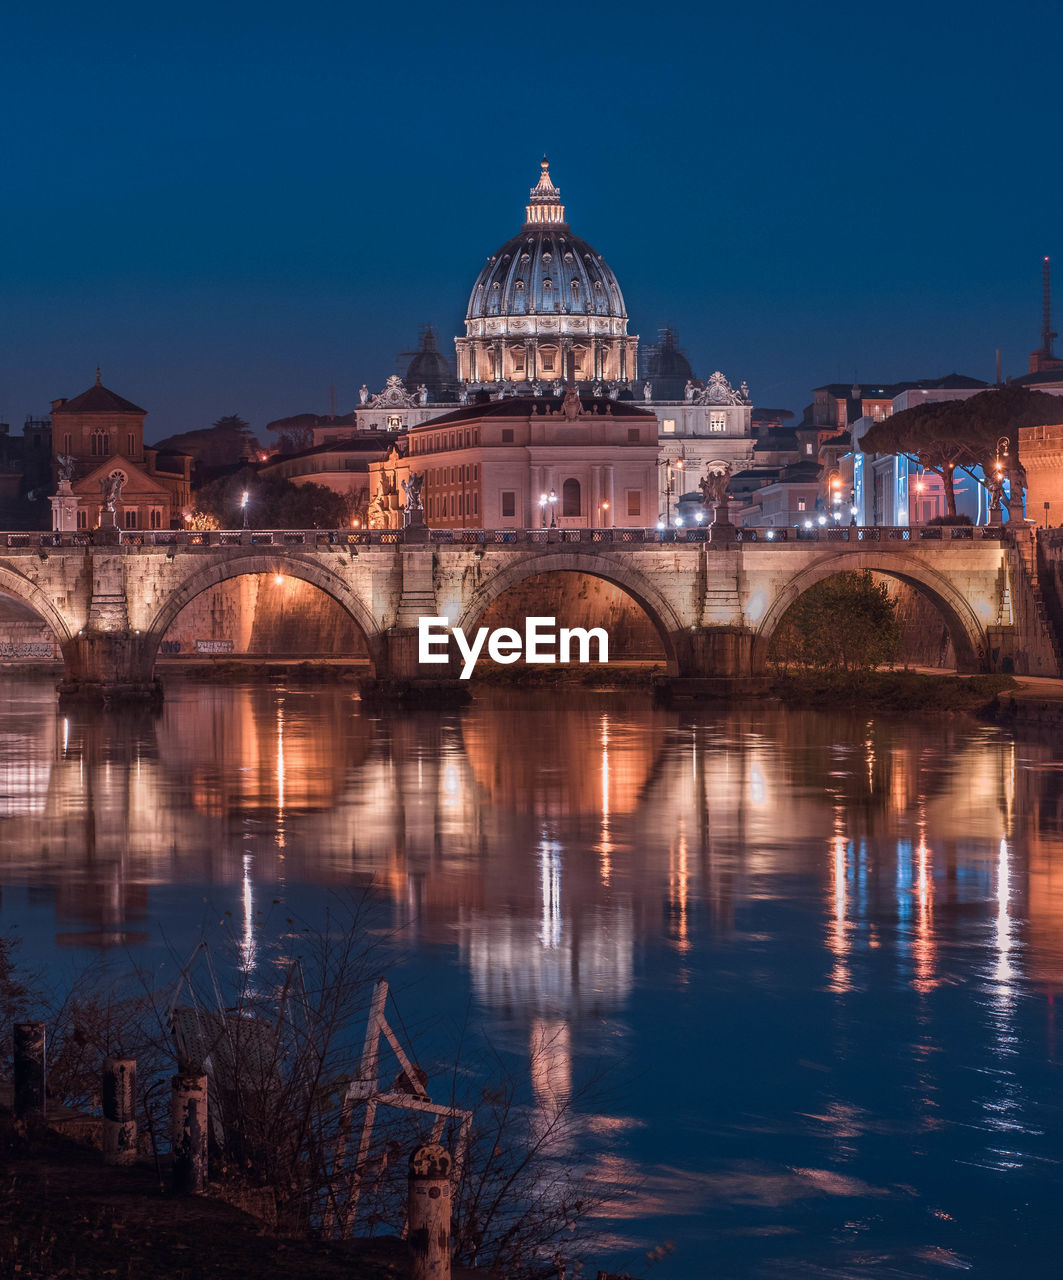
<point x="111" y="487"/>
<point x="411" y="487"/>
<point x="65" y="464"/>
<point x="714" y="486"/>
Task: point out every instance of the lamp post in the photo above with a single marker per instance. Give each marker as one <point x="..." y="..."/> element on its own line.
<point x="551" y="498"/>
<point x="243" y="505"/>
<point x="542" y="510"/>
<point x="603" y="514"/>
<point x="677" y="465"/>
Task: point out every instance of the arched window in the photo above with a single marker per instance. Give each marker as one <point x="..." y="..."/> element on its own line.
<point x="570" y="504"/>
<point x="101" y="444"/>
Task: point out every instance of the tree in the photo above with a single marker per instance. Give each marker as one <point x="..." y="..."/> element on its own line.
<point x="295" y="433"/>
<point x="964" y="433"/>
<point x="273" y="503"/>
<point x="227" y="442"/>
<point x="845" y="623"/>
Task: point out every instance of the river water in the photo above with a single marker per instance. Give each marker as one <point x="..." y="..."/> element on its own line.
<point x="817" y="954"/>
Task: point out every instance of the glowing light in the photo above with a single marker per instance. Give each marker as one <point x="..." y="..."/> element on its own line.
<point x="248" y="948"/>
<point x="278" y="579"/>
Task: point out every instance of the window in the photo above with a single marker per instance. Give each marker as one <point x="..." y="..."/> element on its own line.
<point x="577" y="359"/>
<point x="632" y="435"/>
<point x="83" y="518"/>
<point x="155" y="519"/>
<point x="509" y="504"/>
<point x="132" y="443"/>
<point x="800" y="504"/>
<point x="808" y="447"/>
<point x="130" y="517"/>
<point x="476" y="504"/>
<point x="717" y="421"/>
<point x="518" y="360"/>
<point x="668" y="426"/>
<point x="101" y="444"/>
<point x="476" y="473"/>
<point x="67" y="448"/>
<point x="570" y="498"/>
<point x="548" y="354"/>
<point x="634" y="502"/>
<point x="507" y="435"/>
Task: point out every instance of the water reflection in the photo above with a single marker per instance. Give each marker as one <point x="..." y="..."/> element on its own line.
<point x="827" y="946"/>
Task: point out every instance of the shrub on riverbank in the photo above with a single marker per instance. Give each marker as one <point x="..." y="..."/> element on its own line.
<point x="907" y="691"/>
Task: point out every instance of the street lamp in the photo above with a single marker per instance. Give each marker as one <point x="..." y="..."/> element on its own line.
<point x="542" y="509"/>
<point x="603" y="514"/>
<point x="243" y="505"/>
<point x="677" y="465"/>
<point x="552" y="500"/>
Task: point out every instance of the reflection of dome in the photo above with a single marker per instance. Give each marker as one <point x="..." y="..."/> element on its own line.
<point x="667" y="367"/>
<point x="430" y="368"/>
<point x="546" y="306"/>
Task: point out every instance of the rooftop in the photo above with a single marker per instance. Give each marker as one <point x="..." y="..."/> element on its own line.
<point x="532" y="406"/>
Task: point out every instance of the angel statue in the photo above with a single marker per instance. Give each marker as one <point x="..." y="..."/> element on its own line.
<point x="412" y="489"/>
<point x="64" y="463"/>
<point x="714" y="486"/>
<point x="111" y="487"/>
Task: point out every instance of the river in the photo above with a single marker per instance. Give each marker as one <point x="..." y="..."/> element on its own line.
<point x="816" y="954"/>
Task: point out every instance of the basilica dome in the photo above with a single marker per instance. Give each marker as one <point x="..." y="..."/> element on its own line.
<point x="545" y="307"/>
<point x="546" y="270"/>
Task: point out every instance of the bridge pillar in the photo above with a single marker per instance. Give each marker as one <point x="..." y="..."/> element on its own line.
<point x="108" y="661"/>
<point x="109" y="666"/>
<point x="709" y="660"/>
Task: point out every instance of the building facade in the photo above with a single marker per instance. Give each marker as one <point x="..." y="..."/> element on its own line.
<point x="98" y="436"/>
<point x="526" y="463"/>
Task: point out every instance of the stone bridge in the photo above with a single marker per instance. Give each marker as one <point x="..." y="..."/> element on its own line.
<point x="715" y="596"/>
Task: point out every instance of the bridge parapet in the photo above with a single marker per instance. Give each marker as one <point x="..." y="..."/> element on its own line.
<point x="652" y="537"/>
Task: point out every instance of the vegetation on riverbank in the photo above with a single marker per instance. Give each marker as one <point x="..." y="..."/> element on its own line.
<point x="886" y="691"/>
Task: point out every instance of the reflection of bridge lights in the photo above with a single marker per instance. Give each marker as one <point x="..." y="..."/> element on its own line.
<point x="247" y="942"/>
<point x="550" y="880"/>
<point x="278" y="579"/>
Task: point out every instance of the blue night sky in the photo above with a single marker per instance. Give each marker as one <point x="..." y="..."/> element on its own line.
<point x="231" y="206"/>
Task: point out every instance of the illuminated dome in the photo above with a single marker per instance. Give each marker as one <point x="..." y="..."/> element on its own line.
<point x="546" y="306"/>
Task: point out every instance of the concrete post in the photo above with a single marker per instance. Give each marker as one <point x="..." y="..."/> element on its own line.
<point x="430" y="1212"/>
<point x="29" y="1095"/>
<point x="119" y="1111"/>
<point x="189" y="1116"/>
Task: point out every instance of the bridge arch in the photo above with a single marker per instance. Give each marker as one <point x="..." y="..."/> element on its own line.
<point x="660" y="613"/>
<point x="21" y="588"/>
<point x="267" y="562"/>
<point x="965" y="629"/>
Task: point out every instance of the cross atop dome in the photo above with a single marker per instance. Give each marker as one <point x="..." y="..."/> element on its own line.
<point x="544" y="199"/>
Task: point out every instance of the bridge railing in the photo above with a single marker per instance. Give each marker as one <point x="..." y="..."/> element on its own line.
<point x="188" y="538"/>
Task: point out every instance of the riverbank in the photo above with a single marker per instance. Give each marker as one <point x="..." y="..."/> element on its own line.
<point x="890" y="691"/>
<point x="63" y="1214"/>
